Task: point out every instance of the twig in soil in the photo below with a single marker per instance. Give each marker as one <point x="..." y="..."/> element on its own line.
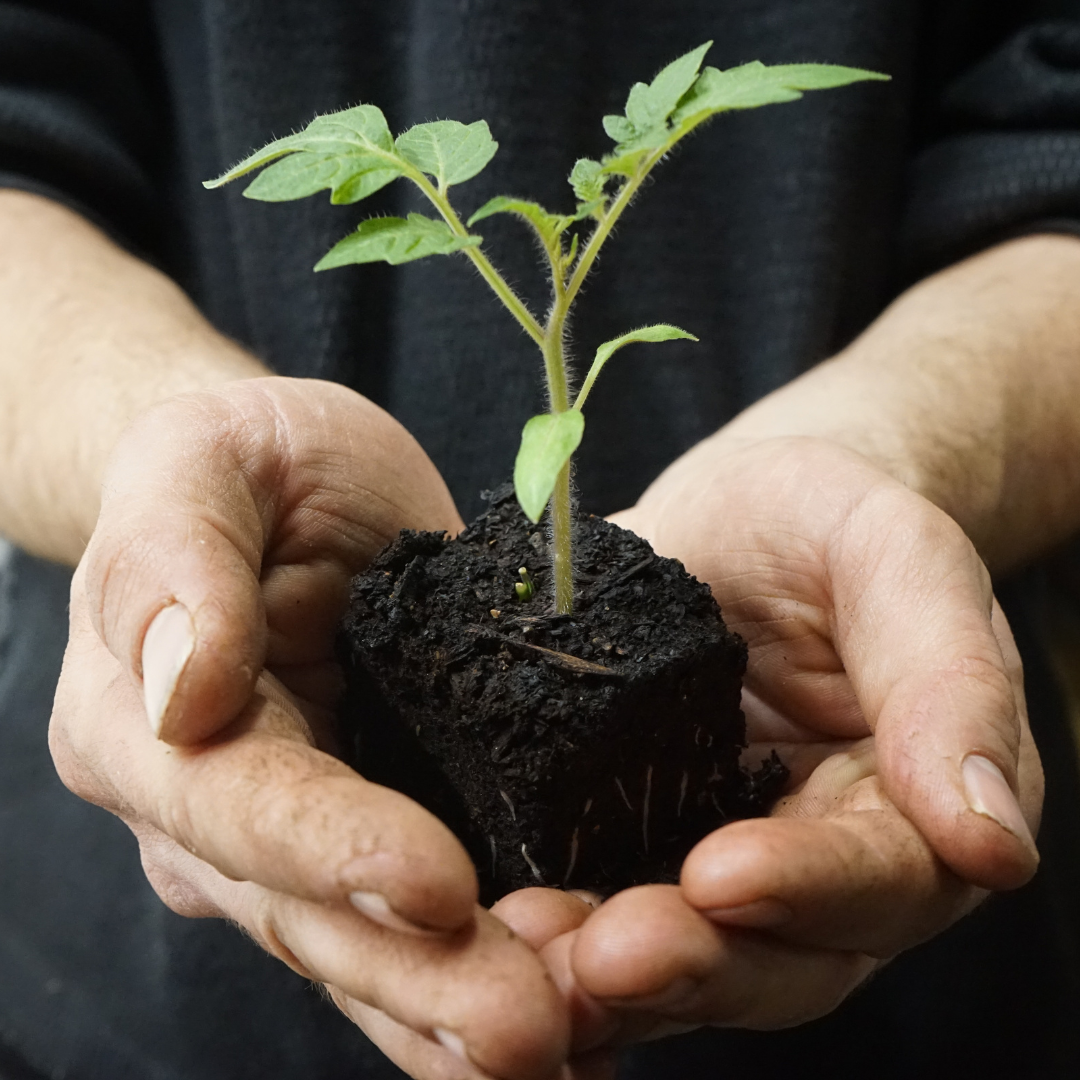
<point x="573" y="857"/>
<point x="532" y="866"/>
<point x="622" y="792"/>
<point x="506" y="799"/>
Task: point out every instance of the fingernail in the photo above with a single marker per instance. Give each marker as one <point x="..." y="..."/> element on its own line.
<point x="377" y="908"/>
<point x="167" y="646"/>
<point x="674" y="994"/>
<point x="757" y="915"/>
<point x="989" y="794"/>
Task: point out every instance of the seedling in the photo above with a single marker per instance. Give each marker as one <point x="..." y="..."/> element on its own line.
<point x="353" y="154"/>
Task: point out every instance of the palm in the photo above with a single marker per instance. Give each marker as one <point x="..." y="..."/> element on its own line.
<point x="877" y="663"/>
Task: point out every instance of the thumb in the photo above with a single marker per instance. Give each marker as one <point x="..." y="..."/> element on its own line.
<point x="208" y="491"/>
<point x="937" y="673"/>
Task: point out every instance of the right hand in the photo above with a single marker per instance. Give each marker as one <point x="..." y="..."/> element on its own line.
<point x="231" y="522"/>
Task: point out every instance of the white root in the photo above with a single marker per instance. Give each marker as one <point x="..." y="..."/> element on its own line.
<point x="682" y="792"/>
<point x="622" y="792"/>
<point x="506" y="799"/>
<point x="532" y="866"/>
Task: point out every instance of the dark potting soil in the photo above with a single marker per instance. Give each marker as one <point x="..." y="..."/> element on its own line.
<point x="585" y="751"/>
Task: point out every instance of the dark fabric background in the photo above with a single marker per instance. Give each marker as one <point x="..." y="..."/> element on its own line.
<point x="775" y="236"/>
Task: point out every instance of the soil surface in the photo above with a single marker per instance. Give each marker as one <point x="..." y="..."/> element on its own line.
<point x="584" y="751"/>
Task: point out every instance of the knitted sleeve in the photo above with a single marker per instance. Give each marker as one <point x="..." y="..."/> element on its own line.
<point x="1008" y="160"/>
<point x="80" y="115"/>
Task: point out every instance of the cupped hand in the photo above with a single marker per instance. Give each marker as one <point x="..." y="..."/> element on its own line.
<point x="883" y="672"/>
<point x="195" y="703"/>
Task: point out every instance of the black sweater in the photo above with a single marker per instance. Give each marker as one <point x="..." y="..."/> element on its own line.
<point x="775" y="236"/>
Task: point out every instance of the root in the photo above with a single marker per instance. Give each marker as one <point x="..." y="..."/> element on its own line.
<point x="622" y="792"/>
<point x="506" y="799"/>
<point x="532" y="866"/>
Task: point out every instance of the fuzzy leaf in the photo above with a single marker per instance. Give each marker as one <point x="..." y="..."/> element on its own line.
<point x="547" y="443"/>
<point x="650" y="106"/>
<point x="349" y="178"/>
<point x="619" y="129"/>
<point x="448" y="150"/>
<point x="359" y="132"/>
<point x="548" y="225"/>
<point x="755" y="84"/>
<point x="395" y="240"/>
<point x="659" y="332"/>
<point x="587" y="180"/>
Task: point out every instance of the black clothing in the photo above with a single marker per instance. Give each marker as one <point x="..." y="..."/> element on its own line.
<point x="775" y="236"/>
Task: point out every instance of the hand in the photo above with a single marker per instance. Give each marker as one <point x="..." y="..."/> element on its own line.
<point x="206" y="602"/>
<point x="883" y="672"/>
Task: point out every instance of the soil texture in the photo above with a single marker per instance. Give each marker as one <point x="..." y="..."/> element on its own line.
<point x="583" y="751"/>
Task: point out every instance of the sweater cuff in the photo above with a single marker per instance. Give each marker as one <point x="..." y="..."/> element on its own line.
<point x="972" y="191"/>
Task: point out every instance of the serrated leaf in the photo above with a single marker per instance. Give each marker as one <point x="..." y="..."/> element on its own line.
<point x="395" y="240"/>
<point x="651" y="105"/>
<point x="349" y="178"/>
<point x="548" y="225"/>
<point x="547" y="443"/>
<point x="587" y="180"/>
<point x="448" y="150"/>
<point x="657" y="332"/>
<point x="756" y="84"/>
<point x="360" y="131"/>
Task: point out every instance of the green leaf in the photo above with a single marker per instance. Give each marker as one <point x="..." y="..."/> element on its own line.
<point x="650" y="106"/>
<point x="547" y="443"/>
<point x="755" y="84"/>
<point x="395" y="240"/>
<point x="349" y="178"/>
<point x="659" y="332"/>
<point x="448" y="150"/>
<point x="359" y="132"/>
<point x="548" y="225"/>
<point x="587" y="180"/>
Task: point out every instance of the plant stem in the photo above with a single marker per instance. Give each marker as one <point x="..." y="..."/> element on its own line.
<point x="612" y="214"/>
<point x="514" y="304"/>
<point x="562" y="528"/>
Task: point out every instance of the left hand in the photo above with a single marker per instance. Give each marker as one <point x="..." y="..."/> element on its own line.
<point x="884" y="673"/>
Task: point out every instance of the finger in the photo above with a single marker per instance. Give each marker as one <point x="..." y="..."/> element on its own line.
<point x="437" y="1006"/>
<point x="206" y="491"/>
<point x="914" y="606"/>
<point x="538" y="915"/>
<point x="646" y="953"/>
<point x="482" y="994"/>
<point x="259" y="804"/>
<point x="862" y="879"/>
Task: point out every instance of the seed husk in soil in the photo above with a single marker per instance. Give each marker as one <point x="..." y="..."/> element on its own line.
<point x="583" y="751"/>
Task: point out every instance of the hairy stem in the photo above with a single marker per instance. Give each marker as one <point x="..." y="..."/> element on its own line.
<point x="513" y="303"/>
<point x="562" y="528"/>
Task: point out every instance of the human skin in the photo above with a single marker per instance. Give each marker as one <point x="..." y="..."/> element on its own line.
<point x="254" y="498"/>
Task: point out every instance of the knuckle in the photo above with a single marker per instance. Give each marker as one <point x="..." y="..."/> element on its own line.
<point x="175" y="890"/>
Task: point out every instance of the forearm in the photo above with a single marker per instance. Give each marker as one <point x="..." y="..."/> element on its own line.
<point x="89" y="337"/>
<point x="967" y="389"/>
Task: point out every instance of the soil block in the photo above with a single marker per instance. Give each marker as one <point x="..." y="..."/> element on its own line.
<point x="584" y="751"/>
